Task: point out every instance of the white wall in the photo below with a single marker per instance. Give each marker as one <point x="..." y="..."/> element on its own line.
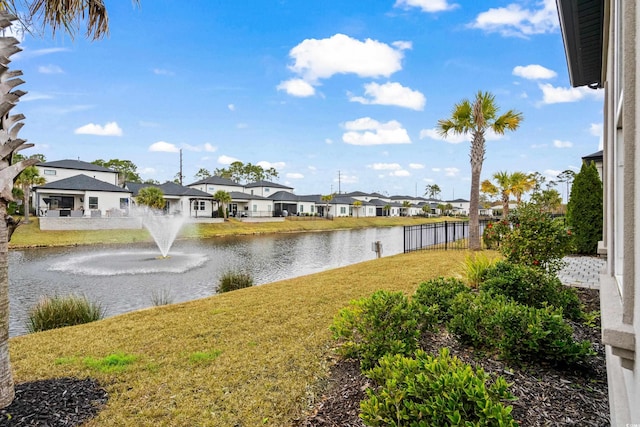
<point x="56" y="174"/>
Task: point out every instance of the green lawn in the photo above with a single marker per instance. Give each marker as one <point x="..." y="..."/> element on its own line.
<point x="255" y="356"/>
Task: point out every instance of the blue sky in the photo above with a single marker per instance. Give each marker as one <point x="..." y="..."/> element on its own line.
<point x="333" y="94"/>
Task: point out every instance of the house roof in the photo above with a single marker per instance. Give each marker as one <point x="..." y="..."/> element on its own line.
<point x="267" y="184"/>
<point x="169" y="189"/>
<point x="239" y="195"/>
<point x="595" y="157"/>
<point x="216" y="180"/>
<point x="582" y="23"/>
<point x="82" y="182"/>
<point x="284" y="196"/>
<point x="458" y="201"/>
<point x="76" y="165"/>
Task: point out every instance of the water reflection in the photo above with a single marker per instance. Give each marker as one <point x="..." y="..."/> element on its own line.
<point x="37" y="272"/>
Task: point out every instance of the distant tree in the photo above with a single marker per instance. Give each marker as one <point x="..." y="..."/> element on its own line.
<point x="17" y="157"/>
<point x="504" y="187"/>
<point x="476" y="118"/>
<point x="521" y="183"/>
<point x="549" y="199"/>
<point x="223" y="198"/>
<point x="357" y="204"/>
<point x="152" y="197"/>
<point x="246" y="173"/>
<point x="326" y="199"/>
<point x="127" y="170"/>
<point x="25" y="181"/>
<point x="567" y="176"/>
<point x="202" y="174"/>
<point x="151" y="181"/>
<point x="387" y="208"/>
<point x="432" y="190"/>
<point x="584" y="210"/>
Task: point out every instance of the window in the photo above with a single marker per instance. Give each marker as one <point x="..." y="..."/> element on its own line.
<point x="301" y="208"/>
<point x="199" y="205"/>
<point x="211" y="189"/>
<point x="255" y="208"/>
<point x="343" y="210"/>
<point x="93" y="203"/>
<point x="124" y="203"/>
<point x="266" y="190"/>
<point x="49" y="172"/>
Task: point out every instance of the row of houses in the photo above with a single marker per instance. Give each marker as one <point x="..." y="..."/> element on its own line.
<point x="78" y="189"/>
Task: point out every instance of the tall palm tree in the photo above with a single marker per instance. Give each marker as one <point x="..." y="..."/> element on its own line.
<point x="521" y="183"/>
<point x="25" y="181"/>
<point x="387" y="209"/>
<point x="56" y="14"/>
<point x="357" y="204"/>
<point x="432" y="190"/>
<point x="504" y="188"/>
<point x="405" y="207"/>
<point x="326" y="199"/>
<point x="476" y="118"/>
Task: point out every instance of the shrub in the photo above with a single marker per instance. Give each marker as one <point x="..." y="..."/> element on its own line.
<point x="60" y="311"/>
<point x="475" y="268"/>
<point x="234" y="280"/>
<point x="494" y="232"/>
<point x="584" y="210"/>
<point x="533" y="287"/>
<point x="161" y="297"/>
<point x="537" y="239"/>
<point x="384" y="323"/>
<point x="434" y="391"/>
<point x="433" y="298"/>
<point x="516" y="331"/>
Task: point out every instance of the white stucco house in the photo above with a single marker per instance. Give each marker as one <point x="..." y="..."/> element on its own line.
<point x="265" y="188"/>
<point x="602" y="47"/>
<point x="61" y="169"/>
<point x="179" y="200"/>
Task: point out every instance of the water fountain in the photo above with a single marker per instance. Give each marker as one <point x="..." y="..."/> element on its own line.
<point x="163" y="228"/>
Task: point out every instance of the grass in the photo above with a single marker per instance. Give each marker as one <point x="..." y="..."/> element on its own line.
<point x="59" y="311"/>
<point x="251" y="357"/>
<point x="30" y="235"/>
<point x="234" y="280"/>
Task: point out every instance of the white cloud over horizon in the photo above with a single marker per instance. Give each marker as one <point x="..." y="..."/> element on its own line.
<point x="163" y="147"/>
<point x="562" y="144"/>
<point x="367" y="131"/>
<point x="557" y="95"/>
<point x="515" y="20"/>
<point x="534" y="72"/>
<point x="391" y="93"/>
<point x="429" y="6"/>
<point x="109" y="129"/>
<point x="227" y="160"/>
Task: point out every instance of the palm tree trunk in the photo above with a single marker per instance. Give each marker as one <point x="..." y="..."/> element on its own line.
<point x="505" y="206"/>
<point x="25" y="203"/>
<point x="476" y="159"/>
<point x="7" y="391"/>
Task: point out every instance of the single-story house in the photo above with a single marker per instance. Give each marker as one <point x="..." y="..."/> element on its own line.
<point x="179" y="199"/>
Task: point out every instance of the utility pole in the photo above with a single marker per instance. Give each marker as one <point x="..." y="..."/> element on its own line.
<point x="181" y="166"/>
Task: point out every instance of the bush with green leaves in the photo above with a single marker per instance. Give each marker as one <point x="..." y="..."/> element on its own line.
<point x="433" y="299"/>
<point x="537" y="239"/>
<point x="60" y="311"/>
<point x="584" y="210"/>
<point x="234" y="280"/>
<point x="475" y="268"/>
<point x="533" y="287"/>
<point x="384" y="323"/>
<point x="434" y="391"/>
<point x="494" y="232"/>
<point x="516" y="331"/>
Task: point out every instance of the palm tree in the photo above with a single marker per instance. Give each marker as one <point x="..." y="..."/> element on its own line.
<point x="476" y="118"/>
<point x="521" y="183"/>
<point x="27" y="179"/>
<point x="224" y="198"/>
<point x="387" y="209"/>
<point x="152" y="197"/>
<point x="55" y="14"/>
<point x="504" y="189"/>
<point x="432" y="190"/>
<point x="405" y="207"/>
<point x="357" y="204"/>
<point x="326" y="199"/>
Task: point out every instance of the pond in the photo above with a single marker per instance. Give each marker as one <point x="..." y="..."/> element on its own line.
<point x="127" y="278"/>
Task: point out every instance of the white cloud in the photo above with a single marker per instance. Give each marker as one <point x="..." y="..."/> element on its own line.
<point x="534" y="72"/>
<point x="35" y="96"/>
<point x="416" y="166"/>
<point x="293" y="175"/>
<point x="163" y="147"/>
<point x="50" y="69"/>
<point x="210" y="148"/>
<point x="266" y="165"/>
<point x="385" y="166"/>
<point x="551" y="174"/>
<point x="163" y="72"/>
<point x="515" y="20"/>
<point x="109" y="129"/>
<point x="596" y="129"/>
<point x="428" y="6"/>
<point x="148" y="171"/>
<point x="391" y="94"/>
<point x="451" y="171"/>
<point x="556" y="95"/>
<point x="312" y="168"/>
<point x="297" y="87"/>
<point x="227" y="160"/>
<point x="562" y="144"/>
<point x="328" y="141"/>
<point x="42" y="52"/>
<point x="231" y="107"/>
<point x="367" y="131"/>
<point x="347" y="179"/>
<point x="436" y="169"/>
<point x="340" y="54"/>
<point x="401" y="173"/>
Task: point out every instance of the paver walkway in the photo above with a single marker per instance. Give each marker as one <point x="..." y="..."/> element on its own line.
<point x="582" y="271"/>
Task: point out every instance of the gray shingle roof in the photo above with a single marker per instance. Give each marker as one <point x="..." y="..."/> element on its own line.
<point x="266" y="184"/>
<point x="75" y="165"/>
<point x="216" y="180"/>
<point x="169" y="189"/>
<point x="82" y="183"/>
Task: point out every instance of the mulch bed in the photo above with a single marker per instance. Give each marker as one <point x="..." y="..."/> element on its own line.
<point x="546" y="395"/>
<point x="54" y="402"/>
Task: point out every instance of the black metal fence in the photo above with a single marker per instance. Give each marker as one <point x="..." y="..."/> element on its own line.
<point x="441" y="235"/>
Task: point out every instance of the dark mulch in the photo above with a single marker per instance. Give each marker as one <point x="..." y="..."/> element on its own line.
<point x="546" y="395"/>
<point x="54" y="402"/>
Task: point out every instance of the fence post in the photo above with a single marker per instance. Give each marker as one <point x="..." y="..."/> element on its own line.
<point x="446" y="235"/>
